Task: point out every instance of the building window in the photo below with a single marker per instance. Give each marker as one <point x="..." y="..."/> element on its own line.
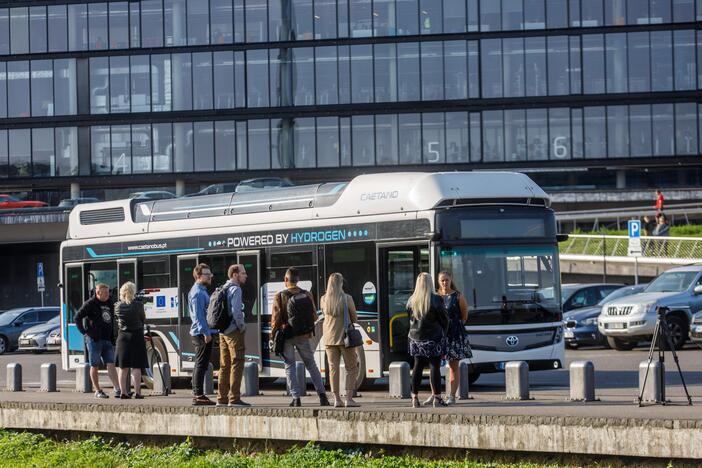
<point x="37" y="29"/>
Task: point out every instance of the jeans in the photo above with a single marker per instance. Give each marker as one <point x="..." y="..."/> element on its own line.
<point x="202" y="361"/>
<point x="231" y="366"/>
<point x="334" y="354"/>
<point x="420" y="362"/>
<point x="304" y="349"/>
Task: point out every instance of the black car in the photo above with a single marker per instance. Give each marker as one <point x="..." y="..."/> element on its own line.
<point x="581" y="324"/>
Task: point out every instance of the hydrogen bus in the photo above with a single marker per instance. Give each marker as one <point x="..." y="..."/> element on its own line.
<point x="494" y="231"/>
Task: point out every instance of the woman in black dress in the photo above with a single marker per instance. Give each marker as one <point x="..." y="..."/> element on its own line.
<point x="131" y="347"/>
<point x="457" y="346"/>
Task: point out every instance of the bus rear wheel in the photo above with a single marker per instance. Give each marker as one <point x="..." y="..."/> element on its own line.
<point x="155" y="353"/>
<point x="361" y="379"/>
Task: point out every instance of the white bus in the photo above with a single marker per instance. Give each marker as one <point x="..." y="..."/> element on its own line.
<point x="494" y="231"/>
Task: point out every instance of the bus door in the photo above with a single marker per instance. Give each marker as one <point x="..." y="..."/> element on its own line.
<point x="126" y="271"/>
<point x="73" y="297"/>
<point x="251" y="302"/>
<point x="186" y="350"/>
<point x="398" y="270"/>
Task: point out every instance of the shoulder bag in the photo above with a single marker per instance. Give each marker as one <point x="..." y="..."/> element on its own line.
<point x="352" y="337"/>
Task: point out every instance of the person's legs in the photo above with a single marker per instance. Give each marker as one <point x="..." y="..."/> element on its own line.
<point x="94" y="360"/>
<point x="237" y="350"/>
<point x="304" y="349"/>
<point x="333" y="361"/>
<point x="453" y="377"/>
<point x="352" y="369"/>
<point x="95" y="378"/>
<point x="417" y="370"/>
<point x="435" y="376"/>
<point x="225" y="363"/>
<point x="136" y="379"/>
<point x="290" y="374"/>
<point x="202" y="360"/>
<point x="107" y="353"/>
<point x="123" y="380"/>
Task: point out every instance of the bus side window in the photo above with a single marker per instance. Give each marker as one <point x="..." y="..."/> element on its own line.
<point x="357" y="264"/>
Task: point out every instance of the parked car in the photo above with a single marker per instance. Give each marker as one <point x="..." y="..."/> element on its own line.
<point x="71" y="202"/>
<point x="152" y="195"/>
<point x="214" y="189"/>
<point x="262" y="183"/>
<point x="627" y="321"/>
<point x="577" y="296"/>
<point x="581" y="324"/>
<point x="15" y="321"/>
<point x="36" y="338"/>
<point x="8" y="201"/>
<point x="696" y="329"/>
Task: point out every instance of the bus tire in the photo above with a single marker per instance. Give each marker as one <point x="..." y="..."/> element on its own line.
<point x="361" y="379"/>
<point x="155" y="352"/>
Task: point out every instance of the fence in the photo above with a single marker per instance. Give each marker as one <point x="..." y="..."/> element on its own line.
<point x="679" y="250"/>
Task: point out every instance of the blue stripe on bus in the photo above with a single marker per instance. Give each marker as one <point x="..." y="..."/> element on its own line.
<point x="76" y="341"/>
<point x="339" y="187"/>
<point x="175" y="339"/>
<point x="93" y="254"/>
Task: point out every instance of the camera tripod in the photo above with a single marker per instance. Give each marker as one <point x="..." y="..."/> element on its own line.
<point x="661" y="339"/>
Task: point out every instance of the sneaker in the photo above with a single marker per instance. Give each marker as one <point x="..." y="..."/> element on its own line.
<point x="451" y="400"/>
<point x="429" y="400"/>
<point x="296" y="402"/>
<point x="101" y="394"/>
<point x="202" y="400"/>
<point x="117" y="394"/>
<point x="439" y="402"/>
<point x="323" y="400"/>
<point x="220" y="404"/>
<point x="239" y="403"/>
<point x="349" y="403"/>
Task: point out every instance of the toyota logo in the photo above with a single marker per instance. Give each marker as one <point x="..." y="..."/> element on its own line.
<point x="512" y="341"/>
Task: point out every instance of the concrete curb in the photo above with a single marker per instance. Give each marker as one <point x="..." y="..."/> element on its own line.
<point x="649" y="438"/>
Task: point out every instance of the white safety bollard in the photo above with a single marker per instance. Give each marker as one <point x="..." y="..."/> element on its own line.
<point x="208" y="386"/>
<point x="399" y="380"/>
<point x="582" y="381"/>
<point x="162" y="378"/>
<point x="14" y="377"/>
<point x="48" y="377"/>
<point x="517" y="380"/>
<point x="83" y="382"/>
<point x="655" y="386"/>
<point x="249" y="384"/>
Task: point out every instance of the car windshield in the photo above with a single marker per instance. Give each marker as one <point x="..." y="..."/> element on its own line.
<point x="566" y="292"/>
<point x="7" y="317"/>
<point x="54" y="321"/>
<point x="621" y="292"/>
<point x="502" y="283"/>
<point x="672" y="281"/>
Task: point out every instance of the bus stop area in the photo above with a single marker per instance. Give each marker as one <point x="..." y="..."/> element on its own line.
<point x="546" y="423"/>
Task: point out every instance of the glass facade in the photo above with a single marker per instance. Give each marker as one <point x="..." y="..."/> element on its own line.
<point x="189" y="86"/>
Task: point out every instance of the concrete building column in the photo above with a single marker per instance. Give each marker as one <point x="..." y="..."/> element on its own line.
<point x="621" y="179"/>
<point x="75" y="190"/>
<point x="180" y="187"/>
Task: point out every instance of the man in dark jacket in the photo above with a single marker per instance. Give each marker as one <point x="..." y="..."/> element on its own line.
<point x="95" y="320"/>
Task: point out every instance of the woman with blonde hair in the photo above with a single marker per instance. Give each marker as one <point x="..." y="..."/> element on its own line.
<point x="131" y="347"/>
<point x="427" y="337"/>
<point x="339" y="313"/>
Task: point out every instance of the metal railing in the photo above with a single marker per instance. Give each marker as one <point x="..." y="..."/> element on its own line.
<point x="680" y="213"/>
<point x="49" y="214"/>
<point x="676" y="249"/>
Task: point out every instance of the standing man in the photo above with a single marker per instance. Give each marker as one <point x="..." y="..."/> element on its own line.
<point x="659" y="201"/>
<point x="198" y="300"/>
<point x="295" y="313"/>
<point x="95" y="319"/>
<point x="231" y="342"/>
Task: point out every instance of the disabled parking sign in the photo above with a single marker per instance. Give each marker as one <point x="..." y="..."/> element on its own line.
<point x="634" y="249"/>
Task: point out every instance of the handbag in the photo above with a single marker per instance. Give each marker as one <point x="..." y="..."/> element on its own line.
<point x="352" y="337"/>
<point x="278" y="342"/>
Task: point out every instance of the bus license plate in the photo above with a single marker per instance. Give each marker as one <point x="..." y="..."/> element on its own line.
<point x="616" y="326"/>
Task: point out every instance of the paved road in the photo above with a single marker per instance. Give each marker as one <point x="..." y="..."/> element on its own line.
<point x="616" y="381"/>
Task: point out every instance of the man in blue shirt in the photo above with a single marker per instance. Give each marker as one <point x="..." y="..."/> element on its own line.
<point x="231" y="342"/>
<point x="198" y="300"/>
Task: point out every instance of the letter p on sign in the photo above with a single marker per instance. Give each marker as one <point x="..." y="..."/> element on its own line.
<point x="634" y="228"/>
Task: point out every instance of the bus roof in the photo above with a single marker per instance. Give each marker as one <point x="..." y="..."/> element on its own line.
<point x="370" y="194"/>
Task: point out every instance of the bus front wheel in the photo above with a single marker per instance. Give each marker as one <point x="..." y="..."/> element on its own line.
<point x="155" y="353"/>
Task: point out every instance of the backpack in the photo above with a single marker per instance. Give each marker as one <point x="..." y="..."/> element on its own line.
<point x="301" y="313"/>
<point x="218" y="317"/>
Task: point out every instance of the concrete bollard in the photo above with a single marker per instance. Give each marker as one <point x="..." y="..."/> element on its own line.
<point x="517" y="380"/>
<point x="48" y="377"/>
<point x="162" y="378"/>
<point x="208" y="386"/>
<point x="399" y="380"/>
<point x="463" y="392"/>
<point x="655" y="387"/>
<point x="582" y="381"/>
<point x="83" y="382"/>
<point x="14" y="377"/>
<point x="249" y="384"/>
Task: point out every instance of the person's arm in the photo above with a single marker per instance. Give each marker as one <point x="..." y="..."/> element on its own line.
<point x="235" y="310"/>
<point x="202" y="315"/>
<point x="275" y="314"/>
<point x="463" y="305"/>
<point x="80" y="315"/>
<point x="353" y="316"/>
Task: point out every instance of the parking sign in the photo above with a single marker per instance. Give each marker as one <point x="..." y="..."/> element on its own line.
<point x="40" y="277"/>
<point x="634" y="249"/>
<point x="634" y="228"/>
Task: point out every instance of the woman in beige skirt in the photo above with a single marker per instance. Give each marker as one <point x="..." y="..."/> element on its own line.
<point x="335" y="305"/>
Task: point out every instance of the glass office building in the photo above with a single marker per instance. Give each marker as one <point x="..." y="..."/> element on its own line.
<point x="153" y="91"/>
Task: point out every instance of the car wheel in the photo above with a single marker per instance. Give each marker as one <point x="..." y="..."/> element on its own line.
<point x="620" y="345"/>
<point x="678" y="332"/>
<point x="3" y="345"/>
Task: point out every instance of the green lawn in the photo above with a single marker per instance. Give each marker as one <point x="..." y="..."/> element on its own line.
<point x="21" y="449"/>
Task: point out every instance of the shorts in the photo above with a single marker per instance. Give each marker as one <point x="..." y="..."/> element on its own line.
<point x="100" y="349"/>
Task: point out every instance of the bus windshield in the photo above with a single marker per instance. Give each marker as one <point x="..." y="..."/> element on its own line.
<point x="502" y="284"/>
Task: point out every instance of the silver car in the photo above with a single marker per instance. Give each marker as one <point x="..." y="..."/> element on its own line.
<point x="696" y="329"/>
<point x="37" y="338"/>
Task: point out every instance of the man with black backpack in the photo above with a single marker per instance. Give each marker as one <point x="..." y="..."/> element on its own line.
<point x="294" y="312"/>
